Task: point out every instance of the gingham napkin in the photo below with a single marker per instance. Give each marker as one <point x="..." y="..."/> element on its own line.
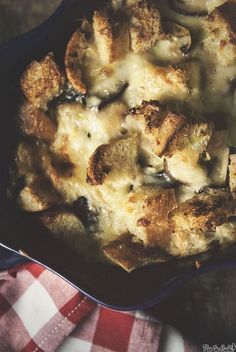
<point x="41" y="312"/>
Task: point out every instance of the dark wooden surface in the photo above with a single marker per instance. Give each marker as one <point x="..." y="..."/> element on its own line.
<point x="205" y="308"/>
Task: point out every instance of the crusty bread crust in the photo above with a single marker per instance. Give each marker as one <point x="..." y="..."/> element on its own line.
<point x="157" y="125"/>
<point x="129" y="253"/>
<point x="145" y="28"/>
<point x="74" y="56"/>
<point x="35" y="123"/>
<point x="42" y="81"/>
<point x="148" y="210"/>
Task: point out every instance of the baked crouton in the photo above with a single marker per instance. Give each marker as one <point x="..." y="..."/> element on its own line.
<point x="37" y="196"/>
<point x="220" y="37"/>
<point x="111" y="36"/>
<point x="104" y="36"/>
<point x="194" y="136"/>
<point x="232" y="173"/>
<point x="147" y="215"/>
<point x="75" y="54"/>
<point x="130" y="253"/>
<point x="42" y="81"/>
<point x="157" y="126"/>
<point x="117" y="158"/>
<point x="145" y="27"/>
<point x="35" y="123"/>
<point x="193" y="222"/>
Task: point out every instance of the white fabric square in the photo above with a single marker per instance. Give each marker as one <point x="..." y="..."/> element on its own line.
<point x="35" y="307"/>
<point x="172" y="340"/>
<point x="72" y="344"/>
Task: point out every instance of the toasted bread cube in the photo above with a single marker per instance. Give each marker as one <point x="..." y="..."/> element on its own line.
<point x="117" y="158"/>
<point x="37" y="196"/>
<point x="147" y="215"/>
<point x="129" y="253"/>
<point x="42" y="81"/>
<point x="194" y="221"/>
<point x="220" y="29"/>
<point x="75" y="55"/>
<point x="104" y="37"/>
<point x="192" y="136"/>
<point x="157" y="126"/>
<point x="111" y="36"/>
<point x="35" y="123"/>
<point x="145" y="28"/>
<point x="232" y="173"/>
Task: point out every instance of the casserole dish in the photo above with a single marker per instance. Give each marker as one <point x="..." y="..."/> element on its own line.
<point x="105" y="284"/>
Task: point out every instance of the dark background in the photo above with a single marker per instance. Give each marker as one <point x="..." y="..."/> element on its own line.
<point x="205" y="308"/>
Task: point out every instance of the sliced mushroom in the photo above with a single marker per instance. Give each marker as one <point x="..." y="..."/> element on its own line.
<point x="116" y="158"/>
<point x="219" y="152"/>
<point x="129" y="253"/>
<point x="190" y="7"/>
<point x="75" y="55"/>
<point x="174" y="44"/>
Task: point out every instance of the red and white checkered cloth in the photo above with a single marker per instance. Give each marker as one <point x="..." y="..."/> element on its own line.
<point x="41" y="312"/>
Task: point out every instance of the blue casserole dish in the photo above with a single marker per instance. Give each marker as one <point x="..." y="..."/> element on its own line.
<point x="106" y="284"/>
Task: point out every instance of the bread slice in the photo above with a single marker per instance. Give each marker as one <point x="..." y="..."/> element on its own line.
<point x="220" y="38"/>
<point x="232" y="173"/>
<point x="158" y="126"/>
<point x="117" y="158"/>
<point x="147" y="215"/>
<point x="193" y="222"/>
<point x="42" y="81"/>
<point x="145" y="26"/>
<point x="35" y="123"/>
<point x="38" y="195"/>
<point x="194" y="137"/>
<point x="111" y="36"/>
<point x="130" y="253"/>
<point x="75" y="55"/>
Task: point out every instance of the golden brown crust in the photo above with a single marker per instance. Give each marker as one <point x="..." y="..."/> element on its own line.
<point x="203" y="212"/>
<point x="119" y="156"/>
<point x="74" y="57"/>
<point x="104" y="37"/>
<point x="148" y="211"/>
<point x="192" y="136"/>
<point x="158" y="126"/>
<point x="42" y="81"/>
<point x="220" y="39"/>
<point x="145" y="27"/>
<point x="34" y="122"/>
<point x="129" y="253"/>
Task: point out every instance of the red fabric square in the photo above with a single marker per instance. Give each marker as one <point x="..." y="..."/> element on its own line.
<point x="4" y="305"/>
<point x="31" y="346"/>
<point x="113" y="330"/>
<point x="77" y="308"/>
<point x="35" y="269"/>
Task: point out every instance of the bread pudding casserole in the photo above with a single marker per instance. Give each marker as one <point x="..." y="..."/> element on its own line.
<point x="126" y="152"/>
